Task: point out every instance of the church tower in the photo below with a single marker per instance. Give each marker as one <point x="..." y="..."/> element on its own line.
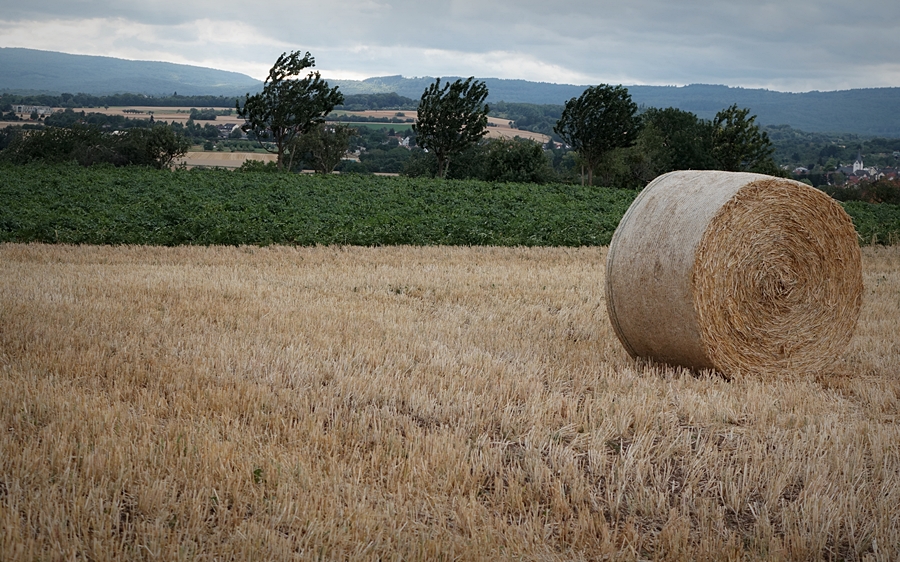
<point x="858" y="164"/>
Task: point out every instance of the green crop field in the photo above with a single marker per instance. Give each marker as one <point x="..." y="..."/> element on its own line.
<point x="106" y="205"/>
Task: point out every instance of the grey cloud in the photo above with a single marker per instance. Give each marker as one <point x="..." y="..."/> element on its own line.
<point x="789" y="44"/>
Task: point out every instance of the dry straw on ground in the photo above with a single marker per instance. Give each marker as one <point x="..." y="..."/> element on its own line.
<point x="414" y="404"/>
<point x="736" y="272"/>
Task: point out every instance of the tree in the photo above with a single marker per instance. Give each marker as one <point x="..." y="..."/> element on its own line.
<point x="669" y="139"/>
<point x="161" y="145"/>
<point x="157" y="146"/>
<point x="684" y="139"/>
<point x="738" y="145"/>
<point x="600" y="120"/>
<point x="287" y="106"/>
<point x="325" y="144"/>
<point x="451" y="119"/>
<point x="7" y="135"/>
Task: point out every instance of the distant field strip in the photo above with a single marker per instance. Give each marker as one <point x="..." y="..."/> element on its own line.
<point x="414" y="403"/>
<point x="222" y="159"/>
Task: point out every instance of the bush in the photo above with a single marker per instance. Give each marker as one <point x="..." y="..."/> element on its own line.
<point x="421" y="164"/>
<point x="352" y="167"/>
<point x="881" y="191"/>
<point x="258" y="166"/>
<point x="875" y="223"/>
<point x="502" y="160"/>
<point x="516" y="160"/>
<point x="386" y="160"/>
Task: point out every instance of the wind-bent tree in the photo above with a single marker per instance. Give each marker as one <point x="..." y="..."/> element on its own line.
<point x="738" y="145"/>
<point x="288" y="106"/>
<point x="600" y="120"/>
<point x="451" y="118"/>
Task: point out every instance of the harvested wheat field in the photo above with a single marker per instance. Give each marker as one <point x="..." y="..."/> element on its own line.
<point x="222" y="159"/>
<point x="402" y="403"/>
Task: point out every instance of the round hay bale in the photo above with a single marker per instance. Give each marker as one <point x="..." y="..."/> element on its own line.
<point x="737" y="272"/>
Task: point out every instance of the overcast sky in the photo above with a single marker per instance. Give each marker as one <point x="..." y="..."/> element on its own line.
<point x="785" y="45"/>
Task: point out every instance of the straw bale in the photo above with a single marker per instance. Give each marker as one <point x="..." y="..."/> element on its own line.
<point x="737" y="272"/>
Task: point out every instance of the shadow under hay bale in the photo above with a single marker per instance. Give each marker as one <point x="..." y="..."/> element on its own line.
<point x="737" y="272"/>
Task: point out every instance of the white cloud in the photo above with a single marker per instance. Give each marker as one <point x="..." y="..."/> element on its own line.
<point x="226" y="45"/>
<point x="424" y="62"/>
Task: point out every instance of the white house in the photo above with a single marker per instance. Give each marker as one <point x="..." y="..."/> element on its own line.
<point x="29" y="109"/>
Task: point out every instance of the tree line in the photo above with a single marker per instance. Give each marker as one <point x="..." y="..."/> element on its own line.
<point x="602" y="127"/>
<point x="94" y="138"/>
<point x="81" y="100"/>
<point x="157" y="146"/>
<point x="606" y="132"/>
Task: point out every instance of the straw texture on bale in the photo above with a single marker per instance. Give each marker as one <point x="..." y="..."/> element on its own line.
<point x="737" y="272"/>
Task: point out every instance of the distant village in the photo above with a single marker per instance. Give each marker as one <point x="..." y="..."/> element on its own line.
<point x="858" y="172"/>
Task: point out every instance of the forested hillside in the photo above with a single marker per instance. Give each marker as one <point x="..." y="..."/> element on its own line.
<point x="864" y="111"/>
<point x="35" y="71"/>
<point x="871" y="112"/>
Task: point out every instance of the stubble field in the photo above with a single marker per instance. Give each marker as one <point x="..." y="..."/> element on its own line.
<point x="204" y="403"/>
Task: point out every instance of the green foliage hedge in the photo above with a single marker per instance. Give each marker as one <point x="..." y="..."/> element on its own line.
<point x="875" y="223"/>
<point x="135" y="205"/>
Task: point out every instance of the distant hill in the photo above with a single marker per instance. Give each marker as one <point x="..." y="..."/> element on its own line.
<point x="517" y="91"/>
<point x="872" y="111"/>
<point x="48" y="71"/>
<point x="862" y="111"/>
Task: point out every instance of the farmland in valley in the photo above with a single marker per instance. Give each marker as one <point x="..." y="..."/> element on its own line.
<point x="338" y="402"/>
<point x="168" y="114"/>
<point x="212" y="159"/>
<point x="499" y="128"/>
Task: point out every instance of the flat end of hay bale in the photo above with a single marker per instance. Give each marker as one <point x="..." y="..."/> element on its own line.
<point x="778" y="280"/>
